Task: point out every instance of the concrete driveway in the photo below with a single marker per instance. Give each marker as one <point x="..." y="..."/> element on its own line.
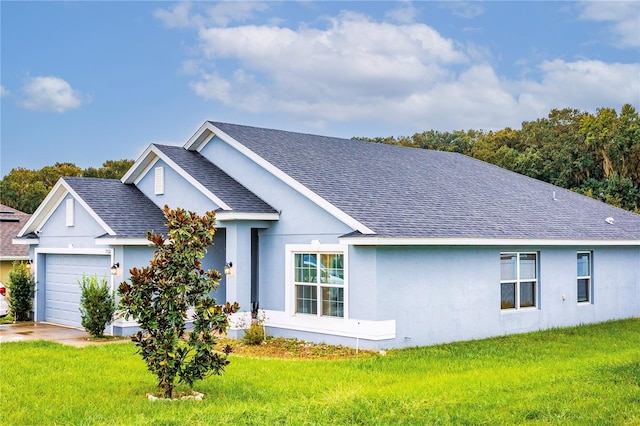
<point x="44" y="331"/>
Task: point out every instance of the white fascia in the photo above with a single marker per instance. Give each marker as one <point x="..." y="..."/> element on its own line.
<point x="123" y="242"/>
<point x="306" y="192"/>
<point x="139" y="168"/>
<point x="6" y="258"/>
<point x="399" y="241"/>
<point x="201" y="137"/>
<point x="49" y="205"/>
<point x="151" y="156"/>
<point x="25" y="241"/>
<point x="231" y="216"/>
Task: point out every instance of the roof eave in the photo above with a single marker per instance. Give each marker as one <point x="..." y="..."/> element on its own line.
<point x="515" y="242"/>
<point x="12" y="258"/>
<point x="25" y="241"/>
<point x="120" y="241"/>
<point x="201" y="137"/>
<point x="223" y="216"/>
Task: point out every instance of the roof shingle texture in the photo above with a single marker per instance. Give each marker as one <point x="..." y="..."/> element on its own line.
<point x="123" y="207"/>
<point x="236" y="196"/>
<point x="410" y="192"/>
<point x="11" y="222"/>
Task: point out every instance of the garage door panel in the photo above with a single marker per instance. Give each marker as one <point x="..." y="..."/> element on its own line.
<point x="62" y="290"/>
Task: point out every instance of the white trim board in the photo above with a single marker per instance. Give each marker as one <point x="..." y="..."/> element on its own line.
<point x="358" y="329"/>
<point x="400" y="241"/>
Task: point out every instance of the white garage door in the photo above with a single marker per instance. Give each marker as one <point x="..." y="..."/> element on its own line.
<point x="62" y="290"/>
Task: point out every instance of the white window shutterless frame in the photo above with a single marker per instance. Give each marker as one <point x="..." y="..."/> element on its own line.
<point x="317" y="280"/>
<point x="518" y="280"/>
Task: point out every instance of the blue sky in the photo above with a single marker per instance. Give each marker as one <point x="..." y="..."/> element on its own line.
<point x="86" y="82"/>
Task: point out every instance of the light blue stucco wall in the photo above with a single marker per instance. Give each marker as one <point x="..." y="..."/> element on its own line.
<point x="178" y="192"/>
<point x="444" y="294"/>
<point x="435" y="294"/>
<point x="81" y="235"/>
<point x="300" y="221"/>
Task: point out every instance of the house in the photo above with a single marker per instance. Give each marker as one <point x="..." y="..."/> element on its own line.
<point x="349" y="242"/>
<point x="11" y="221"/>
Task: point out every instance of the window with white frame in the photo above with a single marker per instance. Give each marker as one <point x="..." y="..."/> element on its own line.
<point x="318" y="278"/>
<point x="584" y="276"/>
<point x="518" y="280"/>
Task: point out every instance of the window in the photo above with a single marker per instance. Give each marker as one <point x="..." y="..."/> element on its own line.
<point x="159" y="181"/>
<point x="518" y="280"/>
<point x="319" y="283"/>
<point x="584" y="276"/>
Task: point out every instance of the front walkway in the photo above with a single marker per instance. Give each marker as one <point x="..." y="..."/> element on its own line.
<point x="44" y="331"/>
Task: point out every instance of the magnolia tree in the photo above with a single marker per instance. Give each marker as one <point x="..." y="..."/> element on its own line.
<point x="159" y="296"/>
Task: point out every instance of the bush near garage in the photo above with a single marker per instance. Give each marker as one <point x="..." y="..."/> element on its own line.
<point x="21" y="286"/>
<point x="97" y="304"/>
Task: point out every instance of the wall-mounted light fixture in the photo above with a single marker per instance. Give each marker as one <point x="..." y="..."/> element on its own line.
<point x="228" y="268"/>
<point x="114" y="269"/>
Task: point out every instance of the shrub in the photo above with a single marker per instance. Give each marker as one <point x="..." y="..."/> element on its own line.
<point x="97" y="305"/>
<point x="159" y="296"/>
<point x="255" y="333"/>
<point x="21" y="286"/>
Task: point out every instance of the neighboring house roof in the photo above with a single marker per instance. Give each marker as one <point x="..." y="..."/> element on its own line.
<point x="124" y="208"/>
<point x="401" y="192"/>
<point x="232" y="193"/>
<point x="11" y="221"/>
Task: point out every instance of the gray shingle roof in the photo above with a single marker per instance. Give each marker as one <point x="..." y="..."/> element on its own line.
<point x="11" y="222"/>
<point x="236" y="196"/>
<point x="123" y="207"/>
<point x="410" y="192"/>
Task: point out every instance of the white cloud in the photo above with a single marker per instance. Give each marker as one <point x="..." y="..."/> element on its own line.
<point x="403" y="75"/>
<point x="183" y="15"/>
<point x="465" y="9"/>
<point x="624" y="17"/>
<point x="179" y="16"/>
<point x="337" y="58"/>
<point x="590" y="84"/>
<point x="3" y="91"/>
<point x="50" y="94"/>
<point x="404" y="14"/>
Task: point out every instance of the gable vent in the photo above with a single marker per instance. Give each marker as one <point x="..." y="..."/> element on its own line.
<point x="70" y="214"/>
<point x="159" y="181"/>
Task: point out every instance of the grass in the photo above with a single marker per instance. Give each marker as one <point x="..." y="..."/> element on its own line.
<point x="583" y="375"/>
<point x="8" y="319"/>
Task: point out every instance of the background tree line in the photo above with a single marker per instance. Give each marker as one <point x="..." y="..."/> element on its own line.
<point x="593" y="154"/>
<point x="24" y="189"/>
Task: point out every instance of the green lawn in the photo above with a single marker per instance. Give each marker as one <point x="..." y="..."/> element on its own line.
<point x="583" y="375"/>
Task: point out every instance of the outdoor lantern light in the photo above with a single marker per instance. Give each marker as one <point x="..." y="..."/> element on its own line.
<point x="228" y="268"/>
<point x="114" y="269"/>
